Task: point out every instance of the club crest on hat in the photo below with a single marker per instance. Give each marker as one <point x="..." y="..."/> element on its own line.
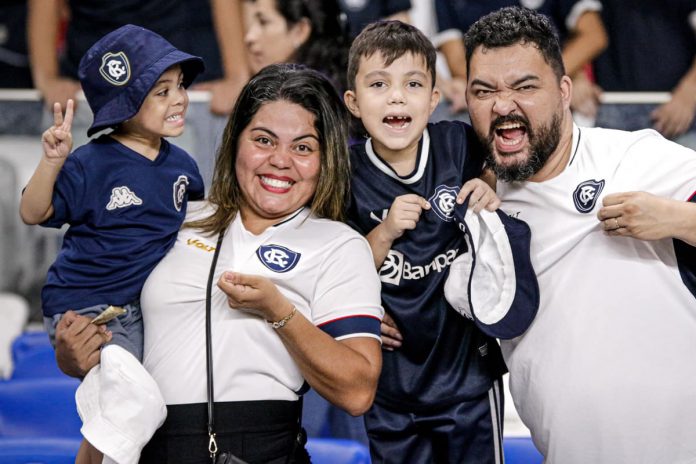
<point x="443" y="201"/>
<point x="115" y="68"/>
<point x="586" y="194"/>
<point x="278" y="258"/>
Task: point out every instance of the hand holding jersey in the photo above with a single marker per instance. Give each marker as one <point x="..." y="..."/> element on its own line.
<point x="645" y="216"/>
<point x="254" y="294"/>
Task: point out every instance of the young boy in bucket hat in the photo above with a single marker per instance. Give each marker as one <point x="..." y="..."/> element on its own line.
<point x="124" y="197"/>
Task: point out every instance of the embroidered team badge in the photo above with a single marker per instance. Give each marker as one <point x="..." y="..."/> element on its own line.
<point x="278" y="258"/>
<point x="122" y="197"/>
<point x="586" y="194"/>
<point x="179" y="191"/>
<point x="443" y="201"/>
<point x="115" y="68"/>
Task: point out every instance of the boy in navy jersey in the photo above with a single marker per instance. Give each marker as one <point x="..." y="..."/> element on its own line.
<point x="439" y="398"/>
<point x="124" y="198"/>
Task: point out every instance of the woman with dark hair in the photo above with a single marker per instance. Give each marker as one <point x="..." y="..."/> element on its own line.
<point x="310" y="32"/>
<point x="296" y="302"/>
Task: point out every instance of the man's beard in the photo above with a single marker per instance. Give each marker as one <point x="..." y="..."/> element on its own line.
<point x="542" y="144"/>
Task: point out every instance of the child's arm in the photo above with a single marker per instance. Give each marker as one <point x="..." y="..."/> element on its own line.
<point x="403" y="215"/>
<point x="482" y="195"/>
<point x="36" y="204"/>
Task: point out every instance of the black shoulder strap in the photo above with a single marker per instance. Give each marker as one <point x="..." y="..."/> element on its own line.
<point x="212" y="444"/>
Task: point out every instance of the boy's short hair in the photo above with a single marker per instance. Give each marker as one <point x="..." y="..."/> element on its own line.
<point x="392" y="39"/>
<point x="513" y="25"/>
<point x="120" y="69"/>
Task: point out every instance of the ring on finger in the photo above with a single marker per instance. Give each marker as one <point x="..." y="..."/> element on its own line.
<point x="617" y="223"/>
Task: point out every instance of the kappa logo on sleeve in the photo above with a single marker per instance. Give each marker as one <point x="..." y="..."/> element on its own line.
<point x="115" y="68"/>
<point x="586" y="195"/>
<point x="278" y="258"/>
<point x="122" y="197"/>
<point x="443" y="201"/>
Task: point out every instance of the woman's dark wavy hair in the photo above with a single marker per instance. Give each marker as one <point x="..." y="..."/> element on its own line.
<point x="312" y="91"/>
<point x="512" y="25"/>
<point x="326" y="49"/>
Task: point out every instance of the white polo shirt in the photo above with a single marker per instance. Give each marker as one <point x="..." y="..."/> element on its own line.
<point x="323" y="267"/>
<point x="606" y="373"/>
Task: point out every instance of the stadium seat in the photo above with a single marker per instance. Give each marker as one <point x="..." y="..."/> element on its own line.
<point x="15" y="314"/>
<point x="337" y="451"/>
<point x="39" y="408"/>
<point x="33" y="356"/>
<point x="38" y="450"/>
<point x="521" y="450"/>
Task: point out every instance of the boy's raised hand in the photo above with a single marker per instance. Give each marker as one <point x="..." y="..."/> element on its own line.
<point x="57" y="139"/>
<point x="482" y="195"/>
<point x="404" y="214"/>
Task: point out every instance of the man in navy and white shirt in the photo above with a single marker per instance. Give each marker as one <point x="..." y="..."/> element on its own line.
<point x="605" y="373"/>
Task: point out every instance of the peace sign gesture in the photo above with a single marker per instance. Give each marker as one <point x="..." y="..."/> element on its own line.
<point x="57" y="139"/>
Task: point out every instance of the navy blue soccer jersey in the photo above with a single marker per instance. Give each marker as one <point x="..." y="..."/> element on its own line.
<point x="123" y="212"/>
<point x="444" y="358"/>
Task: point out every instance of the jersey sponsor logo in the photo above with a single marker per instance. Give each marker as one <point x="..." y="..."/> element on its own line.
<point x="278" y="258"/>
<point x="395" y="267"/>
<point x="586" y="194"/>
<point x="379" y="219"/>
<point x="115" y="68"/>
<point x="122" y="197"/>
<point x="443" y="201"/>
<point x="194" y="242"/>
<point x="179" y="191"/>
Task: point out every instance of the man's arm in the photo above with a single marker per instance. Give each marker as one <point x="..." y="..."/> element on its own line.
<point x="42" y="33"/>
<point x="229" y="31"/>
<point x="78" y="344"/>
<point x="675" y="117"/>
<point x="588" y="39"/>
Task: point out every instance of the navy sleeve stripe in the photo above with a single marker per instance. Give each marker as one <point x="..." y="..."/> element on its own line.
<point x="352" y="324"/>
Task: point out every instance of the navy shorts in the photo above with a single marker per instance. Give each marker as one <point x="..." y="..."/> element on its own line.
<point x="466" y="432"/>
<point x="127" y="329"/>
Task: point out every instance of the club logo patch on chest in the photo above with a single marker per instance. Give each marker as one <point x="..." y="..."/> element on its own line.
<point x="443" y="201"/>
<point x="278" y="258"/>
<point x="586" y="195"/>
<point x="179" y="191"/>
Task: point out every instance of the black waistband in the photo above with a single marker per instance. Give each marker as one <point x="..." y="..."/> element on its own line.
<point x="234" y="416"/>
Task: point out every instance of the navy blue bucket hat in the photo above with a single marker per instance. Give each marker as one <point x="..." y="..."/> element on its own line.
<point x="119" y="70"/>
<point x="494" y="283"/>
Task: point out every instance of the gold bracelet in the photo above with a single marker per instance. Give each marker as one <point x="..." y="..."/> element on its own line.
<point x="281" y="323"/>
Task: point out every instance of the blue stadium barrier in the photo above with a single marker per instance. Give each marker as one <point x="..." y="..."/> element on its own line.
<point x="38" y="450"/>
<point x="33" y="356"/>
<point x="337" y="451"/>
<point x="521" y="450"/>
<point x="39" y="408"/>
